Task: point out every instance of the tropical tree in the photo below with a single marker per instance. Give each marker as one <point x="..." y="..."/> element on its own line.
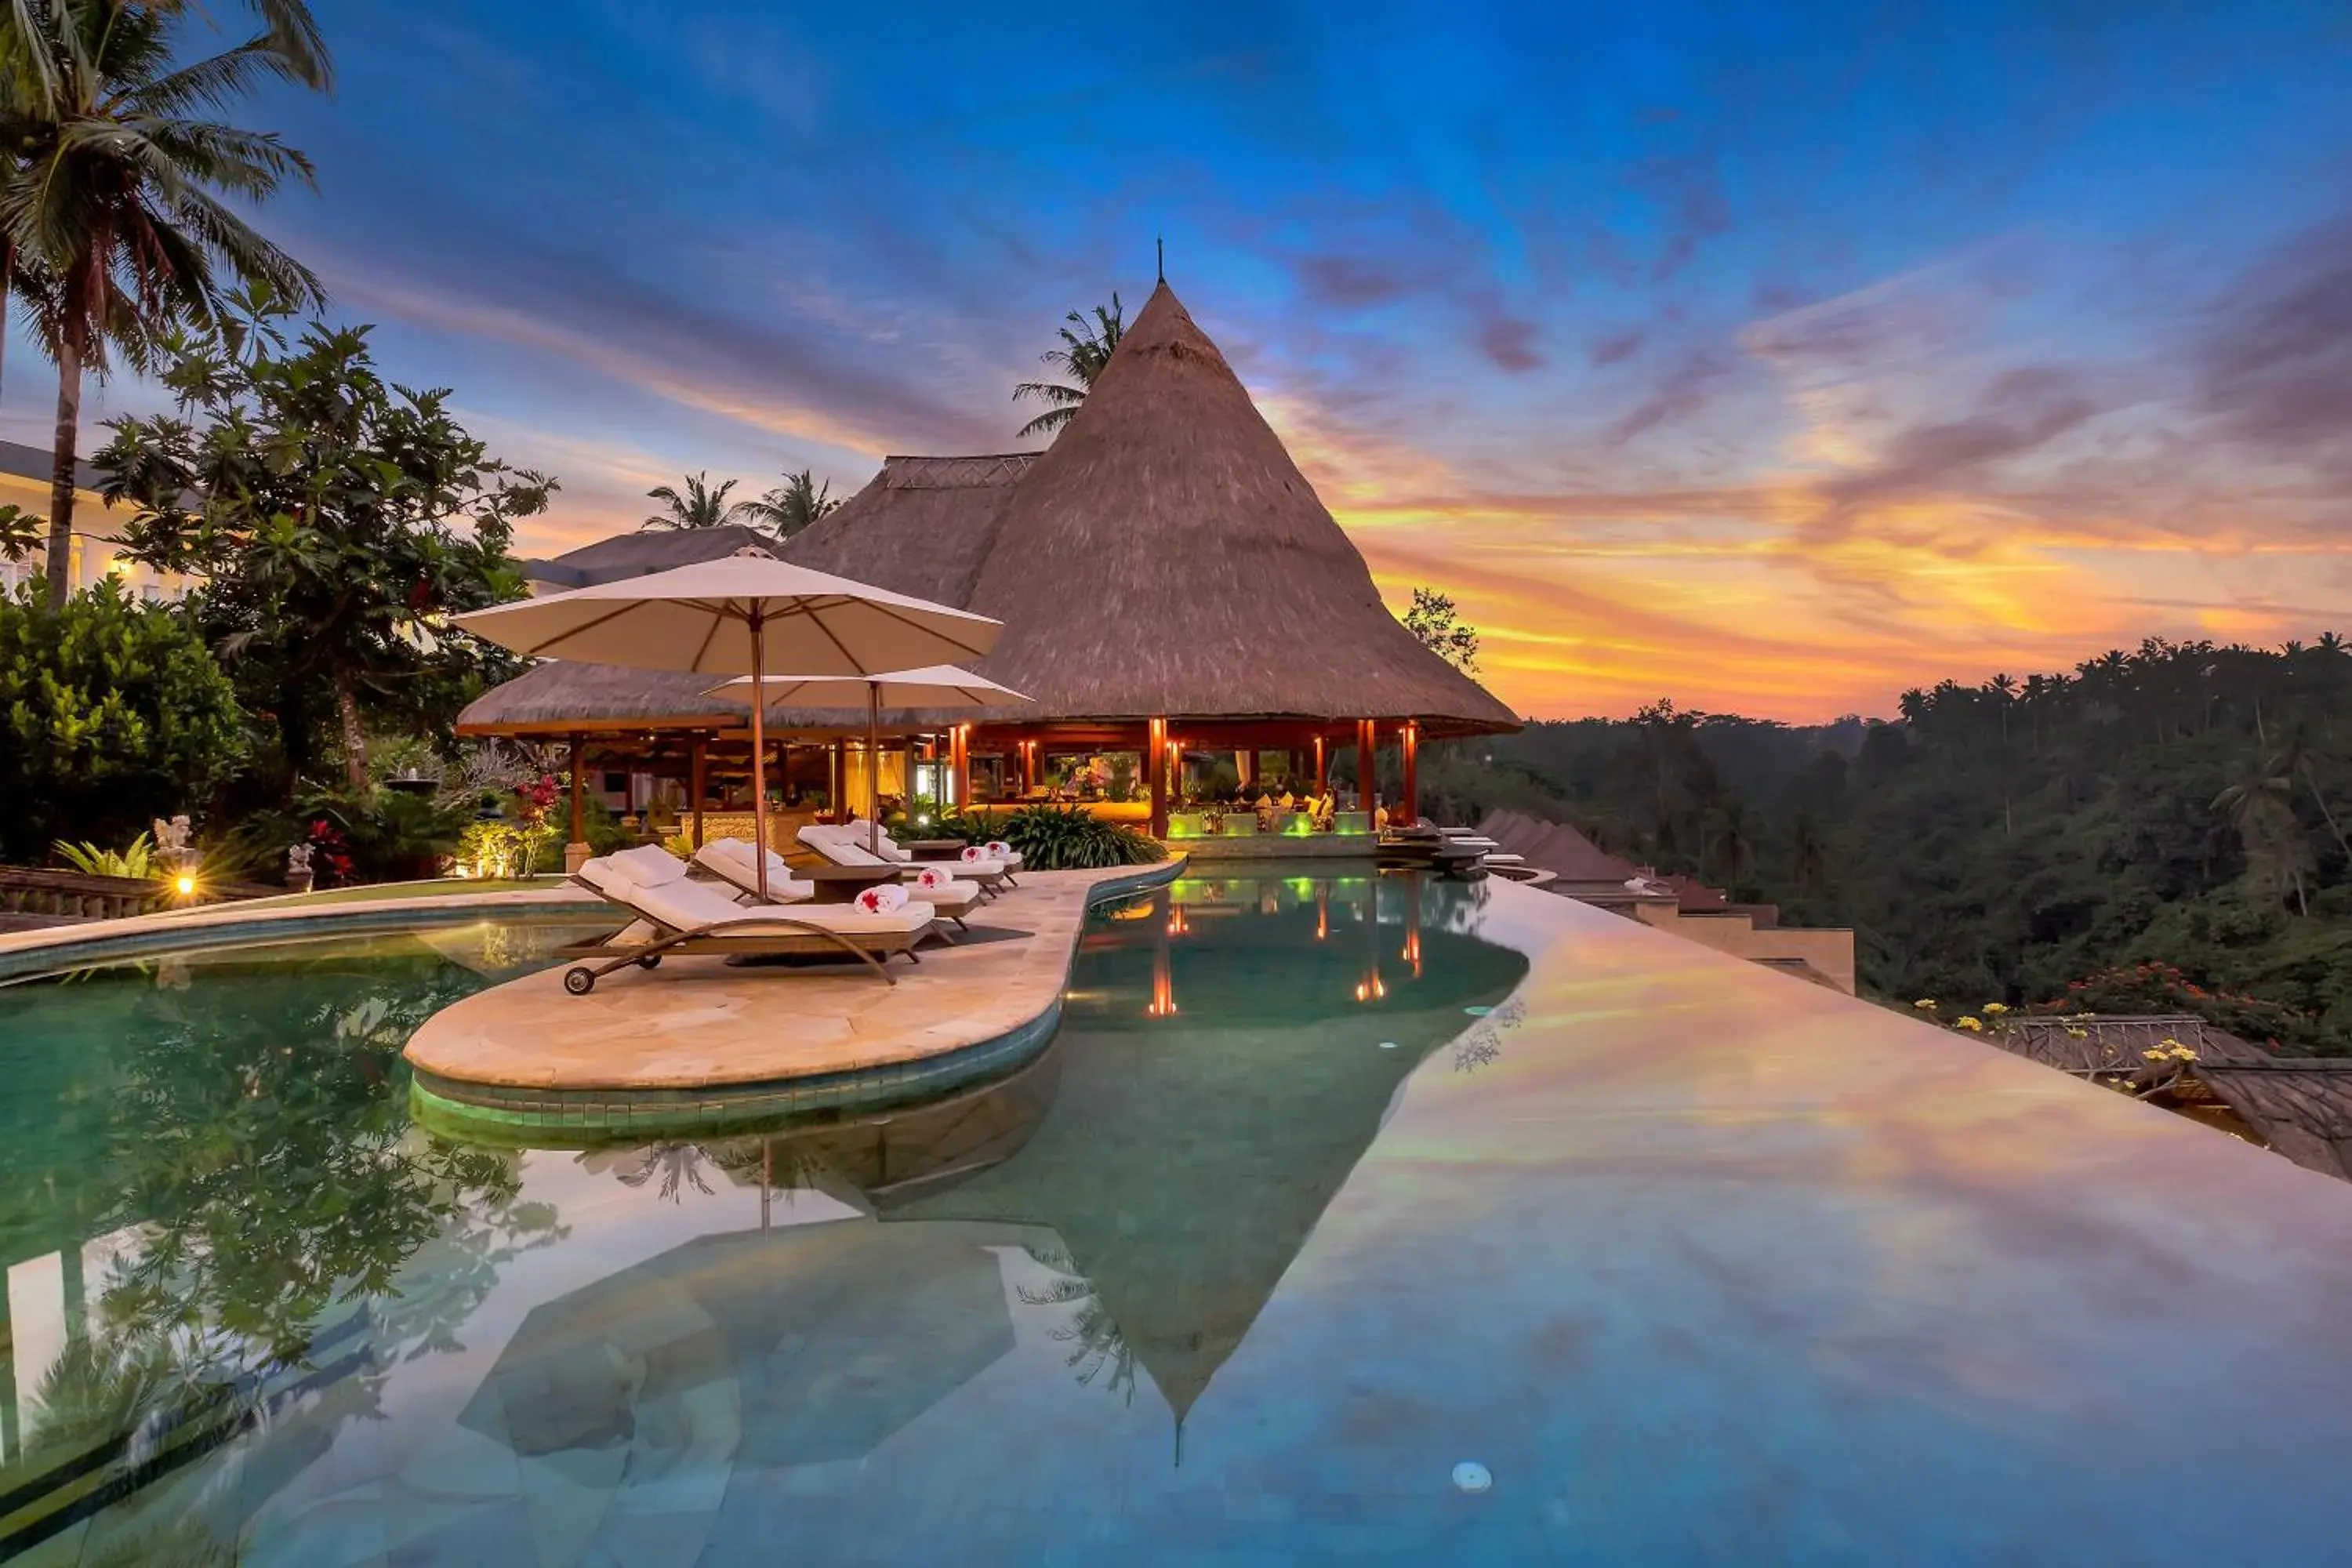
<point x="697" y="506"/>
<point x="119" y="205"/>
<point x="337" y="519"/>
<point x="112" y="713"/>
<point x="1438" y="626"/>
<point x="794" y="504"/>
<point x="2256" y="806"/>
<point x="1086" y="347"/>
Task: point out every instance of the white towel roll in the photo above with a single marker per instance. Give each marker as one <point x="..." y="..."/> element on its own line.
<point x="882" y="899"/>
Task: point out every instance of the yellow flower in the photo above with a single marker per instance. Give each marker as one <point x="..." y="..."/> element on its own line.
<point x="2184" y="1053"/>
<point x="1996" y="1006"/>
<point x="2168" y="1043"/>
<point x="1925" y="1002"/>
<point x="1970" y="1023"/>
<point x="2078" y="1033"/>
<point x="2153" y="1055"/>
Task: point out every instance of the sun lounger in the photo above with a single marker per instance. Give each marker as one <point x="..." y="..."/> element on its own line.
<point x="845" y="845"/>
<point x="1007" y="859"/>
<point x="734" y="860"/>
<point x="675" y="913"/>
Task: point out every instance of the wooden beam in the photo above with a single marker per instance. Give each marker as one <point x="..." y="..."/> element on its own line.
<point x="579" y="810"/>
<point x="1322" y="766"/>
<point x="1409" y="746"/>
<point x="1155" y="764"/>
<point x="700" y="765"/>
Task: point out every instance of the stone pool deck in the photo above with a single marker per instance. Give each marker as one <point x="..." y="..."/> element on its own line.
<point x="701" y="1037"/>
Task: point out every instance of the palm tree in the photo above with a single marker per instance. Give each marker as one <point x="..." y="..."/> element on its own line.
<point x="115" y="201"/>
<point x="1085" y="348"/>
<point x="2256" y="806"/>
<point x="699" y="507"/>
<point x="794" y="504"/>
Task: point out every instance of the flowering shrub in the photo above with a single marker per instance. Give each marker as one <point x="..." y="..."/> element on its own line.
<point x="2162" y="988"/>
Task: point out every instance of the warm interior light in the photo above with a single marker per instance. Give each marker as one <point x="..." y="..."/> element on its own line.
<point x="186" y="884"/>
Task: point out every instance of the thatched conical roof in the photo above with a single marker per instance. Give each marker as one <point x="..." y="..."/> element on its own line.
<point x="1166" y="557"/>
<point x="1163" y="558"/>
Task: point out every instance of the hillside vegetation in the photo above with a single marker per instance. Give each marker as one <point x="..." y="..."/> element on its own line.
<point x="2182" y="805"/>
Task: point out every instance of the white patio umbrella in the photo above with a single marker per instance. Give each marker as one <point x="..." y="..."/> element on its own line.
<point x="933" y="686"/>
<point x="741" y="614"/>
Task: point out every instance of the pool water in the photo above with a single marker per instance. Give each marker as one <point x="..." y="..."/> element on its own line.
<point x="1346" y="1218"/>
<point x="256" y="1315"/>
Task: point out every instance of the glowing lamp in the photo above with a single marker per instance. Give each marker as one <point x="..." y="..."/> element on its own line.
<point x="185" y="886"/>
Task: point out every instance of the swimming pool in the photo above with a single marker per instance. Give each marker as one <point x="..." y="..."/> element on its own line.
<point x="1347" y="1216"/>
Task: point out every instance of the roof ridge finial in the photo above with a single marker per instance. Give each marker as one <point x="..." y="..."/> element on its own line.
<point x="1160" y="242"/>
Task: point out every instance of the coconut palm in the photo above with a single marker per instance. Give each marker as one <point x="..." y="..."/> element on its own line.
<point x="698" y="506"/>
<point x="2256" y="806"/>
<point x="1085" y="348"/>
<point x="118" y="200"/>
<point x="794" y="504"/>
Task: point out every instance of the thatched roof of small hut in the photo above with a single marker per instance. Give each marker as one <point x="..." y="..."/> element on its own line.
<point x="1165" y="556"/>
<point x="921" y="526"/>
<point x="646" y="551"/>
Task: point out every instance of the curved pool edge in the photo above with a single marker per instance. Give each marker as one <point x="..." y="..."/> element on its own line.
<point x="58" y="949"/>
<point x="484" y="1109"/>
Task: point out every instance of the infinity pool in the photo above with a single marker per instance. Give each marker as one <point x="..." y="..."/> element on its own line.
<point x="1345" y="1218"/>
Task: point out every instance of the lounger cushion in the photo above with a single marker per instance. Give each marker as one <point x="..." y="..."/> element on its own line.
<point x="738" y="860"/>
<point x="684" y="905"/>
<point x="648" y="865"/>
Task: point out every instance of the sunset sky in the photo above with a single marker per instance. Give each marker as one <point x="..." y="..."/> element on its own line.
<point x="1772" y="357"/>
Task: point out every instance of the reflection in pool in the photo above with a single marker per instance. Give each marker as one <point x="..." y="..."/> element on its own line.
<point x="253" y="1310"/>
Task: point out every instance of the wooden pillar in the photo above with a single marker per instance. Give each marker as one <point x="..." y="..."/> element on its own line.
<point x="1408" y="744"/>
<point x="1322" y="765"/>
<point x="1155" y="767"/>
<point x="959" y="749"/>
<point x="1368" y="772"/>
<point x="579" y="810"/>
<point x="698" y="768"/>
<point x="833" y="802"/>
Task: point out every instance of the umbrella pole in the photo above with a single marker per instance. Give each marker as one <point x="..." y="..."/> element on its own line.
<point x="759" y="757"/>
<point x="873" y="768"/>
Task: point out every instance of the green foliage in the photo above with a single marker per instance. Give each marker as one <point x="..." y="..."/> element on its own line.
<point x="1438" y="626"/>
<point x="1060" y="838"/>
<point x="339" y="520"/>
<point x="1086" y="347"/>
<point x="2181" y="804"/>
<point x="112" y="713"/>
<point x="136" y="861"/>
<point x="389" y="835"/>
<point x="498" y="847"/>
<point x="791" y="506"/>
<point x="700" y="505"/>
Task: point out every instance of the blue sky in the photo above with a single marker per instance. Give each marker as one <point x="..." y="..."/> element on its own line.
<point x="1775" y="357"/>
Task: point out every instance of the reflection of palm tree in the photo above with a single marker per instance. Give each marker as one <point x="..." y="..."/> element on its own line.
<point x="1099" y="1344"/>
<point x="678" y="1163"/>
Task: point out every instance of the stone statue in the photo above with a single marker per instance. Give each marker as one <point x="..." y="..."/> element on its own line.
<point x="298" y="868"/>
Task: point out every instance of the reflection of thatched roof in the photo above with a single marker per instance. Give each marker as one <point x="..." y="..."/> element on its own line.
<point x="921" y="526"/>
<point x="1165" y="556"/>
<point x="649" y="549"/>
<point x="1182" y="1203"/>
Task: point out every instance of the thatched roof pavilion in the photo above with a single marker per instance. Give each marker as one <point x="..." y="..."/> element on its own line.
<point x="1168" y="579"/>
